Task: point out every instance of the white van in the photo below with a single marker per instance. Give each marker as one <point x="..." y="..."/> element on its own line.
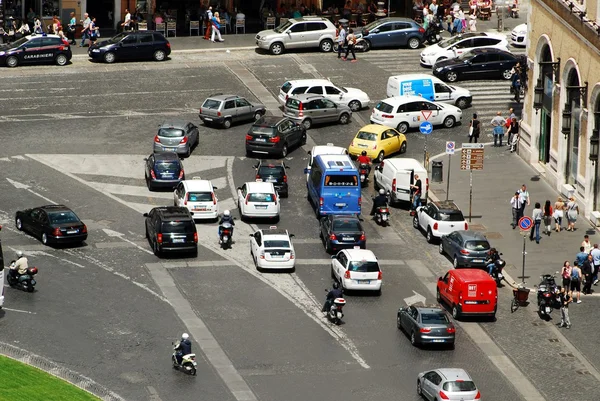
<point x="429" y="87"/>
<point x="398" y="174"/>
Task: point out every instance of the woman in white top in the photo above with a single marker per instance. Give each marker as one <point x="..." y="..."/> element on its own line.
<point x="572" y="213"/>
<point x="37" y="26"/>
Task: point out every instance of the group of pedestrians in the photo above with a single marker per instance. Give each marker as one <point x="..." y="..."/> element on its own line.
<point x="90" y="30"/>
<point x="346" y="41"/>
<point x="501" y="126"/>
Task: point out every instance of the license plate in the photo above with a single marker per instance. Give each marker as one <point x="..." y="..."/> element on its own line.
<point x="260" y="140"/>
<point x="477" y="260"/>
<point x="208" y="119"/>
<point x="362" y="176"/>
<point x="364" y="281"/>
<point x="547" y="309"/>
<point x="200" y="209"/>
<point x="72" y="232"/>
<point x="438" y="341"/>
<point x="470" y="302"/>
<point x="178" y="240"/>
<point x="340" y="204"/>
<point x="272" y="180"/>
<point x="347" y="239"/>
<point x="260" y="206"/>
<point x="169" y="149"/>
<point x="360" y="145"/>
<point x="277" y="256"/>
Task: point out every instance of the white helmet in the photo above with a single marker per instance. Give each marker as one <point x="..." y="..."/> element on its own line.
<point x="382" y="191"/>
<point x="226" y="213"/>
<point x="185" y="336"/>
<point x="19" y="254"/>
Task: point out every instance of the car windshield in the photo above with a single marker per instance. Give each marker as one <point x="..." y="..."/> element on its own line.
<point x="19" y="42"/>
<point x="366" y="136"/>
<point x="449" y="42"/>
<point x="343" y="89"/>
<point x="336" y="180"/>
<point x="363" y="266"/>
<point x="477" y="245"/>
<point x="465" y="56"/>
<point x="260" y="197"/>
<point x="211" y="104"/>
<point x="283" y="27"/>
<point x="346" y="225"/>
<point x="371" y="26"/>
<point x="384" y="107"/>
<point x="63" y="217"/>
<point x="200" y="197"/>
<point x="178" y="227"/>
<point x="276" y="171"/>
<point x="451" y="216"/>
<point x="459" y="386"/>
<point x="258" y="130"/>
<point x="117" y="38"/>
<point x="434" y="318"/>
<point x="279" y="243"/>
<point x="166" y="165"/>
<point x="170" y="132"/>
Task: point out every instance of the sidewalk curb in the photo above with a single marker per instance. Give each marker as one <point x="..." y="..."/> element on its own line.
<point x="190" y="51"/>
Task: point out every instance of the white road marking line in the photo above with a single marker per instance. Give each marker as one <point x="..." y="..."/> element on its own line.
<point x="153" y="393"/>
<point x="33" y="252"/>
<point x="112" y="233"/>
<point x="204" y="338"/>
<point x="5" y="159"/>
<point x="131" y="190"/>
<point x="20" y="311"/>
<point x="19" y="185"/>
<point x="19" y="157"/>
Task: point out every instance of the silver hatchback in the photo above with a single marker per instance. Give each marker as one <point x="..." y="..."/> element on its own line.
<point x="315" y="109"/>
<point x="177" y="136"/>
<point x="447" y="384"/>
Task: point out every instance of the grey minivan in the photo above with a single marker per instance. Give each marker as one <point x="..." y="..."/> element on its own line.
<point x="315" y="109"/>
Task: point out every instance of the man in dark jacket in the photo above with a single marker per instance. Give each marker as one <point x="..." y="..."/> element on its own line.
<point x="336" y="292"/>
<point x="588" y="270"/>
<point x="184" y="347"/>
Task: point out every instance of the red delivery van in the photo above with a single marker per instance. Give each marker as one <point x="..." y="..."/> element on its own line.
<point x="468" y="292"/>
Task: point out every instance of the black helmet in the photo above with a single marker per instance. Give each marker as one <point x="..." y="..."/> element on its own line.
<point x="363" y="153"/>
<point x="501" y="263"/>
<point x="336" y="285"/>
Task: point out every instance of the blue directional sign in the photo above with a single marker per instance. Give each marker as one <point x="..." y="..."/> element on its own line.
<point x="525" y="223"/>
<point x="426" y="128"/>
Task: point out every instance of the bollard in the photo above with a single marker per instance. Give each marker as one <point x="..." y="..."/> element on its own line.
<point x="437" y="171"/>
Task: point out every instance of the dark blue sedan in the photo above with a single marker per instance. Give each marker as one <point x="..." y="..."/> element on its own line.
<point x="392" y="33"/>
<point x="164" y="170"/>
<point x="342" y="232"/>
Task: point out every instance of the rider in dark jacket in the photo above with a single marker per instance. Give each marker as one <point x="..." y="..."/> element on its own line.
<point x="184" y="347"/>
<point x="335" y="292"/>
<point x="493" y="256"/>
<point x="226" y="218"/>
<point x="380" y="200"/>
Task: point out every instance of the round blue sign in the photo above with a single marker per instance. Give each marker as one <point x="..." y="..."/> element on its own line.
<point x="426" y="127"/>
<point x="525" y="223"/>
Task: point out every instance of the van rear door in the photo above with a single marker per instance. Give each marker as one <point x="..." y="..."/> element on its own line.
<point x="403" y="179"/>
<point x="443" y="93"/>
<point x="341" y="193"/>
<point x="479" y="297"/>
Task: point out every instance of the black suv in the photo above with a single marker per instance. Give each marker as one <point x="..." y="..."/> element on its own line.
<point x="36" y="49"/>
<point x="163" y="170"/>
<point x="274" y="136"/>
<point x="273" y="171"/>
<point x="171" y="229"/>
<point x="132" y="46"/>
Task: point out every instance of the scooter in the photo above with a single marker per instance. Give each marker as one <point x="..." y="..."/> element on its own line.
<point x="363" y="170"/>
<point x="335" y="313"/>
<point x="226" y="235"/>
<point x="497" y="271"/>
<point x="433" y="33"/>
<point x="24" y="282"/>
<point x="360" y="46"/>
<point x="188" y="362"/>
<point x="382" y="216"/>
<point x="546" y="294"/>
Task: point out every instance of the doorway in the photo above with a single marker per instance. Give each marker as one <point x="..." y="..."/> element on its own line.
<point x="545" y="136"/>
<point x="101" y="10"/>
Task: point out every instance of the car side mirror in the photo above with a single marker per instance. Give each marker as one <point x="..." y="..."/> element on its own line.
<point x="145" y="215"/>
<point x="145" y="159"/>
<point x="306" y="171"/>
<point x="375" y="31"/>
<point x="309" y="152"/>
<point x="250" y="235"/>
<point x="341" y="95"/>
<point x="120" y="44"/>
<point x="215" y="187"/>
<point x="240" y="188"/>
<point x="332" y="256"/>
<point x="292" y="235"/>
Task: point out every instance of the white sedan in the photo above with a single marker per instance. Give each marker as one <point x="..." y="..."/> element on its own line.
<point x="259" y="200"/>
<point x="356" y="269"/>
<point x="272" y="249"/>
<point x="459" y="44"/>
<point x="404" y="112"/>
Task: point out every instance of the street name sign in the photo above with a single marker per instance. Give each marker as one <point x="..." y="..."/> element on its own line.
<point x="471" y="156"/>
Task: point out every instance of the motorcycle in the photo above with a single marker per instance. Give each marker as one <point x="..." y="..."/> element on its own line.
<point x="382" y="216"/>
<point x="361" y="45"/>
<point x="226" y="235"/>
<point x="335" y="313"/>
<point x="363" y="169"/>
<point x="24" y="282"/>
<point x="546" y="295"/>
<point x="188" y="362"/>
<point x="497" y="270"/>
<point x="433" y="33"/>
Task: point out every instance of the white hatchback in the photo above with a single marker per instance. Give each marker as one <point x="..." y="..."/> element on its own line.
<point x="356" y="99"/>
<point x="328" y="149"/>
<point x="198" y="196"/>
<point x="272" y="249"/>
<point x="259" y="200"/>
<point x="356" y="269"/>
<point x="404" y="112"/>
<point x="459" y="44"/>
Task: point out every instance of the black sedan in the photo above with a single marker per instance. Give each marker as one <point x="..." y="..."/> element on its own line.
<point x="53" y="224"/>
<point x="163" y="170"/>
<point x="339" y="231"/>
<point x="36" y="49"/>
<point x="273" y="171"/>
<point x="132" y="46"/>
<point x="426" y="325"/>
<point x="477" y="64"/>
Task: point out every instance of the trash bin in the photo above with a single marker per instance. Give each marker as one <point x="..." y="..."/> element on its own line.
<point x="437" y="171"/>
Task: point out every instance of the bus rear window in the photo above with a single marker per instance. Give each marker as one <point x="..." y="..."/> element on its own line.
<point x="337" y="180"/>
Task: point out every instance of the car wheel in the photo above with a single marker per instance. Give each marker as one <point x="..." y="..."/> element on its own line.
<point x="402" y="128"/>
<point x="451" y="346"/>
<point x="227" y="123"/>
<point x="307" y="123"/>
<point x="414" y="43"/>
<point x="416" y="222"/>
<point x="61" y="60"/>
<point x="160" y="55"/>
<point x="398" y="323"/>
<point x="147" y="236"/>
<point x="284" y="150"/>
<point x="438" y="297"/>
<point x="354" y="105"/>
<point x="403" y="147"/>
<point x="155" y="248"/>
<point x="258" y="115"/>
<point x="109" y="57"/>
<point x="44" y="239"/>
<point x="19" y="224"/>
<point x="462" y="103"/>
<point x="276" y="48"/>
<point x="440" y="59"/>
<point x="380" y="157"/>
<point x="419" y="389"/>
<point x="413" y="338"/>
<point x="449" y="122"/>
<point x="451" y="76"/>
<point x="327" y="246"/>
<point x="344" y="118"/>
<point x="367" y="45"/>
<point x="507" y="74"/>
<point x="12" y="62"/>
<point x="455" y="312"/>
<point x="441" y="248"/>
<point x="326" y="45"/>
<point x="455" y="262"/>
<point x="429" y="235"/>
<point x="332" y="274"/>
<point x="303" y="139"/>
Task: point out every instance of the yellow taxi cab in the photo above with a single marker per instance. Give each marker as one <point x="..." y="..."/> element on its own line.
<point x="378" y="141"/>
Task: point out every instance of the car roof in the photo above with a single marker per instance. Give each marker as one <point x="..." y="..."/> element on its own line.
<point x="53" y="208"/>
<point x="338" y="162"/>
<point x="268" y="121"/>
<point x="361" y="254"/>
<point x="453" y="374"/>
<point x="429" y="309"/>
<point x="275" y="231"/>
<point x="374" y="128"/>
<point x="304" y="97"/>
<point x="398" y="100"/>
<point x="271" y="162"/>
<point x="485" y="50"/>
<point x="328" y="150"/>
<point x="220" y="96"/>
<point x="312" y="81"/>
<point x="166" y="156"/>
<point x="43" y="35"/>
<point x="446" y="206"/>
<point x="395" y="19"/>
<point x="197" y="185"/>
<point x="470" y="235"/>
<point x="472" y="275"/>
<point x="344" y="216"/>
<point x="174" y="123"/>
<point x="173" y="212"/>
<point x="258" y="186"/>
<point x="309" y="18"/>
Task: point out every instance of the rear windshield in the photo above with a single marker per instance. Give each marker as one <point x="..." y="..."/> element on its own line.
<point x="211" y="104"/>
<point x="200" y="197"/>
<point x="364" y="267"/>
<point x="459" y="386"/>
<point x="63" y="217"/>
<point x="451" y="216"/>
<point x="384" y="107"/>
<point x="170" y="132"/>
<point x="293" y="104"/>
<point x="286" y="87"/>
<point x="166" y="165"/>
<point x="477" y="245"/>
<point x="257" y="197"/>
<point x="178" y="227"/>
<point x="349" y="225"/>
<point x="277" y="244"/>
<point x="262" y="130"/>
<point x="299" y="90"/>
<point x="271" y="170"/>
<point x="366" y="136"/>
<point x="341" y="180"/>
<point x="434" y="318"/>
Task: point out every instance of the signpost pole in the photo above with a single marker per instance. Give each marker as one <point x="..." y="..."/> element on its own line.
<point x="425" y="154"/>
<point x="448" y="180"/>
<point x="525" y="225"/>
<point x="470" y="193"/>
<point x="524" y="253"/>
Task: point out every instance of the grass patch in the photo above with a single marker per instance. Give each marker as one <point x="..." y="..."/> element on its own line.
<point x="21" y="382"/>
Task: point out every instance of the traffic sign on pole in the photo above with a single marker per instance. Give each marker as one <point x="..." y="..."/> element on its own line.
<point x="450" y="146"/>
<point x="426" y="114"/>
<point x="471" y="156"/>
<point x="426" y="128"/>
<point x="525" y="223"/>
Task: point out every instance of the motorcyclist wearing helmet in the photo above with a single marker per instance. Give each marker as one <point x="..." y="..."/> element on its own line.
<point x="380" y="200"/>
<point x="493" y="256"/>
<point x="183" y="347"/>
<point x="364" y="159"/>
<point x="226" y="218"/>
<point x="20" y="266"/>
<point x="335" y="292"/>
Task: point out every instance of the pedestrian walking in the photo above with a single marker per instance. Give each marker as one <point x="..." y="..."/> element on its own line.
<point x="513" y="132"/>
<point x="565" y="273"/>
<point x="581" y="256"/>
<point x="216" y="28"/>
<point x="473" y="23"/>
<point x="126" y="24"/>
<point x="350" y="41"/>
<point x="515" y="203"/>
<point x="588" y="270"/>
<point x="474" y="128"/>
<point x="524" y="195"/>
<point x="71" y="27"/>
<point x="547" y="216"/>
<point x="565" y="300"/>
<point x="586" y="244"/>
<point x="85" y="33"/>
<point x="572" y="212"/>
<point x="536" y="215"/>
<point x="341" y="40"/>
<point x="416" y="192"/>
<point x="94" y="31"/>
<point x="576" y="282"/>
<point x="208" y="18"/>
<point x="498" y="128"/>
<point x="595" y="252"/>
<point x="559" y="207"/>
